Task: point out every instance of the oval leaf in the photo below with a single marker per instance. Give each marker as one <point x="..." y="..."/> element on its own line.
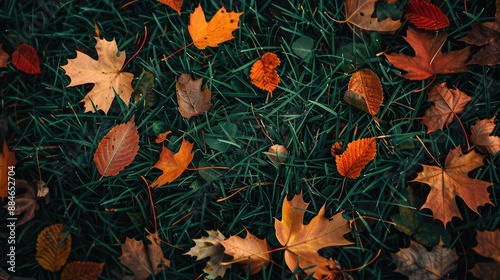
<point x="357" y="155"/>
<point x="426" y="15"/>
<point x="117" y="149"/>
<point x="82" y="271"/>
<point x="263" y="73"/>
<point x="26" y="59"/>
<point x="365" y="91"/>
<point x="192" y="100"/>
<point x="53" y="247"/>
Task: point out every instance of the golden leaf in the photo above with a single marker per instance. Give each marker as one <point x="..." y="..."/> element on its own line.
<point x="357" y="155"/>
<point x="82" y="271"/>
<point x="174" y="4"/>
<point x="263" y="73"/>
<point x="53" y="247"/>
<point x="249" y="250"/>
<point x="365" y="91"/>
<point x="210" y="34"/>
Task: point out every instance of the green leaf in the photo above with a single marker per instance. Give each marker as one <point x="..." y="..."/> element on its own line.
<point x="144" y="90"/>
<point x="303" y="47"/>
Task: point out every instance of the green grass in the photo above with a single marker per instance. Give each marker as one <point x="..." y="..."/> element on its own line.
<point x="54" y="140"/>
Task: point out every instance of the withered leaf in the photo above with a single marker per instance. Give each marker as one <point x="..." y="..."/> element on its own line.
<point x="82" y="271"/>
<point x="488" y="245"/>
<point x="210" y="246"/>
<point x="355" y="158"/>
<point x="192" y="101"/>
<point x="481" y="131"/>
<point x="53" y="247"/>
<point x="248" y="251"/>
<point x="26" y="202"/>
<point x="365" y="91"/>
<point x="7" y="159"/>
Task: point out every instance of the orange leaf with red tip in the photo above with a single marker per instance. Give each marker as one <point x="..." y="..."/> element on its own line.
<point x="263" y="73"/>
<point x="355" y="158"/>
<point x="173" y="165"/>
<point x="26" y="59"/>
<point x="426" y="15"/>
<point x="117" y="149"/>
<point x="174" y="4"/>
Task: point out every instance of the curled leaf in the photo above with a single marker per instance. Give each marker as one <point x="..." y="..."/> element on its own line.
<point x="263" y="73"/>
<point x="365" y="91"/>
<point x="53" y="247"/>
<point x="210" y="246"/>
<point x="481" y="131"/>
<point x="357" y="155"/>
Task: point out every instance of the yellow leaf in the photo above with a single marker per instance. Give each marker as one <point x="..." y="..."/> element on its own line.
<point x="105" y="73"/>
<point x="263" y="73"/>
<point x="173" y="165"/>
<point x="53" y="247"/>
<point x="219" y="29"/>
<point x="357" y="155"/>
<point x="82" y="271"/>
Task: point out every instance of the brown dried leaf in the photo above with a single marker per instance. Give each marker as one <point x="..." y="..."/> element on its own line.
<point x="488" y="245"/>
<point x="263" y="73"/>
<point x="53" y="247"/>
<point x="481" y="131"/>
<point x="337" y="149"/>
<point x="174" y="4"/>
<point x="210" y="246"/>
<point x="7" y="159"/>
<point x="365" y="91"/>
<point x="3" y="57"/>
<point x="357" y="155"/>
<point x="82" y="271"/>
<point x="447" y="104"/>
<point x="25" y="203"/>
<point x="144" y="261"/>
<point x="117" y="149"/>
<point x="192" y="101"/>
<point x="277" y="154"/>
<point x="417" y="263"/>
<point x="248" y="251"/>
<point x="359" y="13"/>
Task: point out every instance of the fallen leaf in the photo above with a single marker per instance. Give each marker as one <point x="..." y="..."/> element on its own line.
<point x="426" y="15"/>
<point x="337" y="149"/>
<point x="248" y="251"/>
<point x="263" y="73"/>
<point x="481" y="131"/>
<point x="359" y="13"/>
<point x="7" y="163"/>
<point x="451" y="181"/>
<point x="53" y="247"/>
<point x="418" y="225"/>
<point x="3" y="57"/>
<point x="488" y="246"/>
<point x="162" y="137"/>
<point x="105" y="73"/>
<point x="218" y="30"/>
<point x="302" y="242"/>
<point x="144" y="90"/>
<point x="192" y="101"/>
<point x="117" y="149"/>
<point x="26" y="202"/>
<point x="173" y="165"/>
<point x="428" y="60"/>
<point x="143" y="261"/>
<point x="365" y="91"/>
<point x="447" y="104"/>
<point x="417" y="263"/>
<point x="355" y="158"/>
<point x="210" y="246"/>
<point x="487" y="35"/>
<point x="26" y="59"/>
<point x="174" y="4"/>
<point x="277" y="154"/>
<point x="82" y="271"/>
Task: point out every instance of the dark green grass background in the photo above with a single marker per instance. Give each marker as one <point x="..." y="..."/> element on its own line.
<point x="54" y="140"/>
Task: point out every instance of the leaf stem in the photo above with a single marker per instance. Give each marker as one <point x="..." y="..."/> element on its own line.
<point x="137" y="52"/>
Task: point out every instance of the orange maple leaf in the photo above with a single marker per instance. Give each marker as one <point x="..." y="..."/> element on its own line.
<point x="488" y="245"/>
<point x="263" y="73"/>
<point x="105" y="73"/>
<point x="7" y="163"/>
<point x="428" y="60"/>
<point x="451" y="181"/>
<point x="210" y="34"/>
<point x="173" y="165"/>
<point x="249" y="250"/>
<point x="481" y="131"/>
<point x="357" y="155"/>
<point x="447" y="104"/>
<point x="302" y="242"/>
